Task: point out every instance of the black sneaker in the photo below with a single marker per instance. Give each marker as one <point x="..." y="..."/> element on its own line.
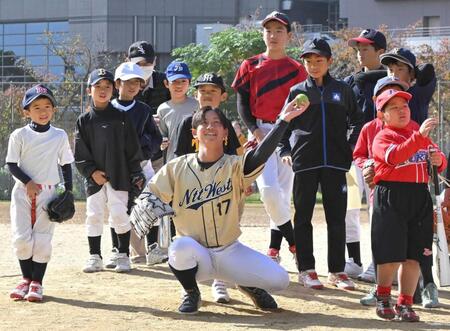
<point x="260" y="298"/>
<point x="191" y="302"/>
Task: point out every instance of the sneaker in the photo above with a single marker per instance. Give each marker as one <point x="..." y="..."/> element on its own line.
<point x="112" y="262"/>
<point x="405" y="313"/>
<point x="309" y="279"/>
<point x="368" y="276"/>
<point x="21" y="290"/>
<point x="93" y="264"/>
<point x="261" y="299"/>
<point x="191" y="302"/>
<point x="274" y="254"/>
<point x="371" y="298"/>
<point x="352" y="269"/>
<point x="219" y="291"/>
<point x="123" y="263"/>
<point x="35" y="294"/>
<point x="155" y="255"/>
<point x="430" y="297"/>
<point x="384" y="308"/>
<point x="341" y="280"/>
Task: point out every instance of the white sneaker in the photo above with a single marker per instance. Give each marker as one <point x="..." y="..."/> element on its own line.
<point x="155" y="255"/>
<point x="35" y="294"/>
<point x="93" y="264"/>
<point x="112" y="262"/>
<point x="352" y="269"/>
<point x="123" y="263"/>
<point x="309" y="279"/>
<point x="21" y="290"/>
<point x="341" y="280"/>
<point x="368" y="275"/>
<point x="219" y="291"/>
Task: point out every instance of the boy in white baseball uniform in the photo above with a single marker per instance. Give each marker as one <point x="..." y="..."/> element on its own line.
<point x="207" y="191"/>
<point x="35" y="153"/>
<point x="108" y="155"/>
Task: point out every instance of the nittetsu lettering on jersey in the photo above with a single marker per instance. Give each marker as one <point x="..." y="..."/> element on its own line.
<point x="268" y="82"/>
<point x="197" y="196"/>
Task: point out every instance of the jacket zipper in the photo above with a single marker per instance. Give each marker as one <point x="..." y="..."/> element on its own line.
<point x="324" y="134"/>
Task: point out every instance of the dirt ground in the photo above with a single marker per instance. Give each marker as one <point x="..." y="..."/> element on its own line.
<point x="148" y="297"/>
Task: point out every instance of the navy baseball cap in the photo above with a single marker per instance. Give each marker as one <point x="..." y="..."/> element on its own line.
<point x="369" y="36"/>
<point x="210" y="78"/>
<point x="141" y="50"/>
<point x="36" y="92"/>
<point x="317" y="46"/>
<point x="280" y="17"/>
<point x="176" y="70"/>
<point x="99" y="74"/>
<point x="399" y="54"/>
<point x="389" y="81"/>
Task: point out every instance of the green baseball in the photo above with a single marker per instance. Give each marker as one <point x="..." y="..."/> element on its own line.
<point x="301" y="99"/>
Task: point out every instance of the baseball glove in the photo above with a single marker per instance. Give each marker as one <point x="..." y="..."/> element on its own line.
<point x="62" y="208"/>
<point x="148" y="209"/>
<point x="137" y="186"/>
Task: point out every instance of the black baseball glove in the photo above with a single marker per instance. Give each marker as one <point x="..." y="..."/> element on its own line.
<point x="62" y="208"/>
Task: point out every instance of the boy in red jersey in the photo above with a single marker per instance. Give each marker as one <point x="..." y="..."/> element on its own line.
<point x="262" y="84"/>
<point x="403" y="210"/>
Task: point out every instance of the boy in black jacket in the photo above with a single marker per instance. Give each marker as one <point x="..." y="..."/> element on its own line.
<point x="322" y="154"/>
<point x="129" y="78"/>
<point x="108" y="155"/>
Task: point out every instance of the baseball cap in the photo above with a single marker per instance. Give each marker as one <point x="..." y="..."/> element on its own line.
<point x="387" y="95"/>
<point x="399" y="54"/>
<point x="317" y="46"/>
<point x="210" y="78"/>
<point x="141" y="50"/>
<point x="277" y="16"/>
<point x="99" y="74"/>
<point x="35" y="92"/>
<point x="369" y="36"/>
<point x="128" y="70"/>
<point x="177" y="70"/>
<point x="389" y="81"/>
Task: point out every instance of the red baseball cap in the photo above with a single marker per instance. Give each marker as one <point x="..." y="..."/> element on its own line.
<point x="387" y="95"/>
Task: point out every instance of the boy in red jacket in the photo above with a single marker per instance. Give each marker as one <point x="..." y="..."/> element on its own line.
<point x="402" y="228"/>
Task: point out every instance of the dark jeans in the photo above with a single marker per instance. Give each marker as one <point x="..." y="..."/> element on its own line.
<point x="334" y="195"/>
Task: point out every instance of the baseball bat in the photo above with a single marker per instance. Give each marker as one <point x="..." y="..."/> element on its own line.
<point x="440" y="249"/>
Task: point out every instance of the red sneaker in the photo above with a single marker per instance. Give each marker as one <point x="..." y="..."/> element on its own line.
<point x="21" y="290"/>
<point x="384" y="308"/>
<point x="274" y="254"/>
<point x="35" y="294"/>
<point x="405" y="313"/>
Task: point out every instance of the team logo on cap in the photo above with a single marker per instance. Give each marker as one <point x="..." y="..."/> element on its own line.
<point x="101" y="72"/>
<point x="41" y="89"/>
<point x="208" y="77"/>
<point x="140" y="49"/>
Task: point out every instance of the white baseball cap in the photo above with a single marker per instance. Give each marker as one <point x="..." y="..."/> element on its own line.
<point x="129" y="70"/>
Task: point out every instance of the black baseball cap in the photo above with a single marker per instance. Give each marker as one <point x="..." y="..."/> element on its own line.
<point x="399" y="54"/>
<point x="141" y="50"/>
<point x="317" y="46"/>
<point x="369" y="36"/>
<point x="280" y="17"/>
<point x="210" y="78"/>
<point x="389" y="81"/>
<point x="99" y="74"/>
<point x="35" y="92"/>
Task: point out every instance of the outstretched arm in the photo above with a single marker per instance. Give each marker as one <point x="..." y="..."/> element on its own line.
<point x="258" y="156"/>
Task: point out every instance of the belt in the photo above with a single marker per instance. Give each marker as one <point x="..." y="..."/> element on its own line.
<point x="266" y="122"/>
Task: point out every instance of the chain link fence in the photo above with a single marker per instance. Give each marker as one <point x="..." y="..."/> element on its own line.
<point x="72" y="101"/>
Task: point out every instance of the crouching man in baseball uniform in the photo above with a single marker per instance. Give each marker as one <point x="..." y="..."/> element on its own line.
<point x="207" y="193"/>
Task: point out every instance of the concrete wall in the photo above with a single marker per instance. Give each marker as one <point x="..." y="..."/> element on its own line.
<point x="393" y="13"/>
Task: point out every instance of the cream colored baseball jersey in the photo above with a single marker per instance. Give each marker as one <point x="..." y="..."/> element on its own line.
<point x="208" y="203"/>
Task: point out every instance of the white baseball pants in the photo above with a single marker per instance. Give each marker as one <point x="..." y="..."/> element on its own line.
<point x="275" y="185"/>
<point x="31" y="240"/>
<point x="116" y="202"/>
<point x="235" y="263"/>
